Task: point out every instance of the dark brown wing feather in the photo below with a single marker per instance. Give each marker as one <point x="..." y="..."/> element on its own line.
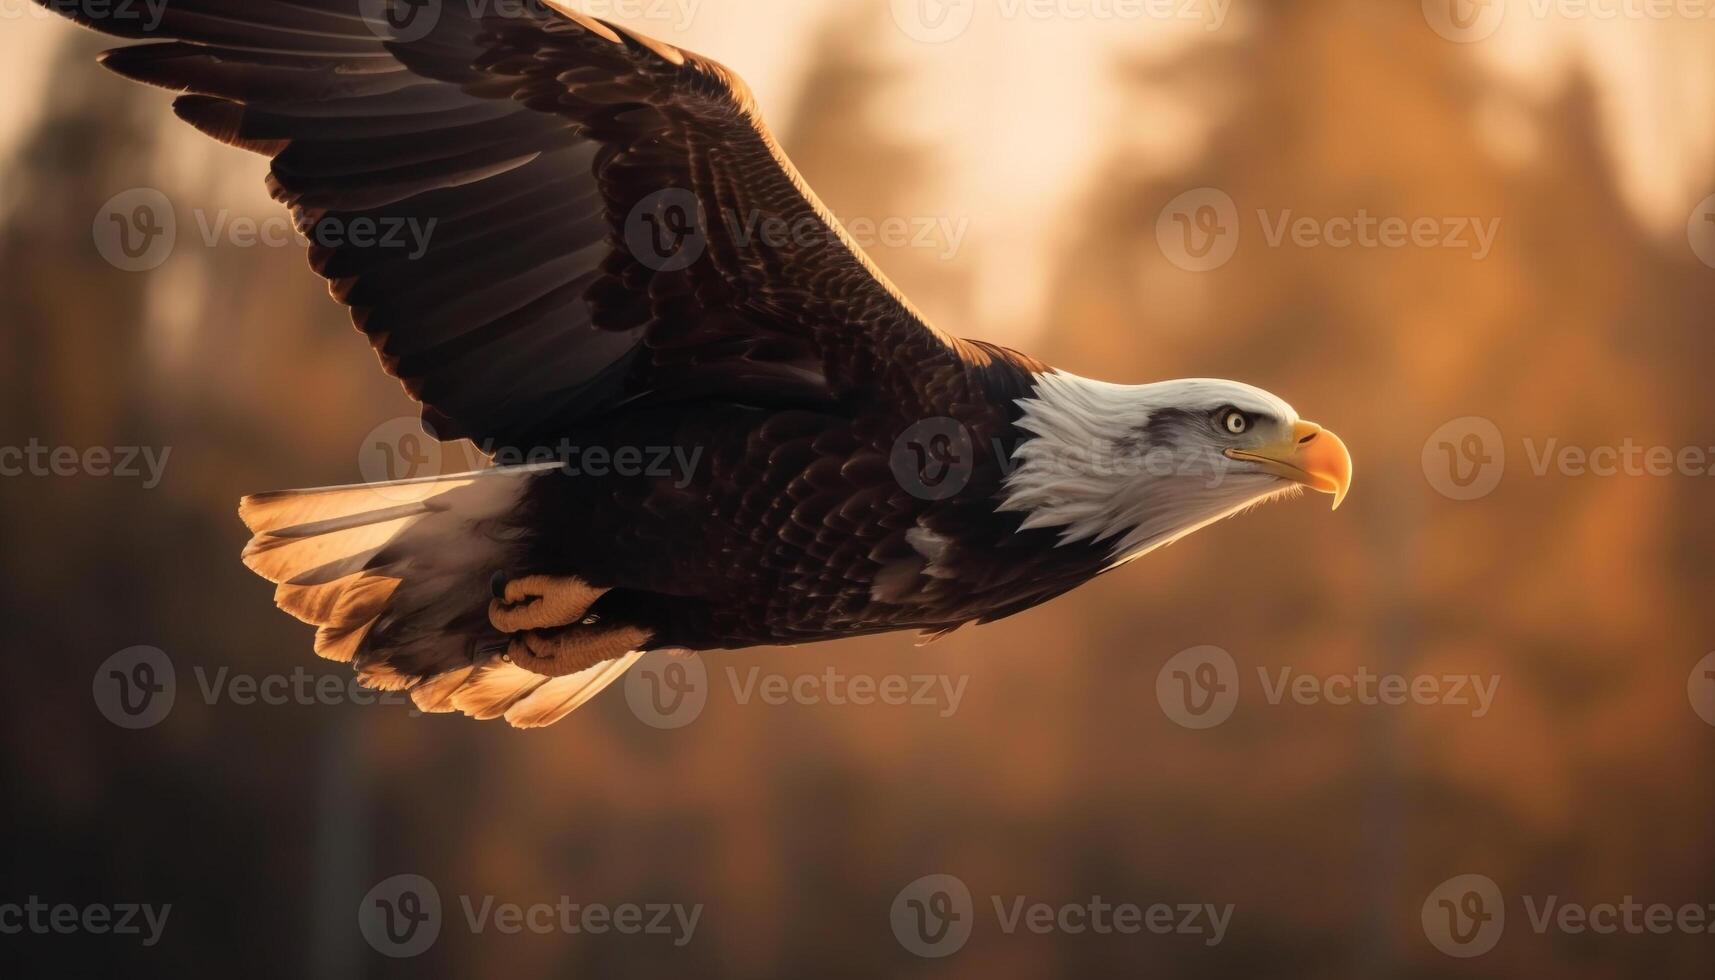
<point x="554" y="154"/>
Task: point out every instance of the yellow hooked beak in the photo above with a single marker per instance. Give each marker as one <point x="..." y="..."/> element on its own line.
<point x="1313" y="456"/>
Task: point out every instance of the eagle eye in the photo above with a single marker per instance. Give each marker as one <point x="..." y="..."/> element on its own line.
<point x="1235" y="422"/>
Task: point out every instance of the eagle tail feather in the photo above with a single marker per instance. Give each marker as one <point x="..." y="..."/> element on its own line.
<point x="395" y="576"/>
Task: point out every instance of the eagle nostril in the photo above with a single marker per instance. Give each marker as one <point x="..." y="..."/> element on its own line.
<point x="1308" y="439"/>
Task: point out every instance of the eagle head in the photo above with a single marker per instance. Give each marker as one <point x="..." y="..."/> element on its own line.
<point x="1140" y="466"/>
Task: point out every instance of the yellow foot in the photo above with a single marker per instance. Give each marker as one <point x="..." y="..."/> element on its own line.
<point x="558" y="653"/>
<point x="536" y="602"/>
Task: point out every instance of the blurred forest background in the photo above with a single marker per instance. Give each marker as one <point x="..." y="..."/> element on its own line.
<point x="1059" y="777"/>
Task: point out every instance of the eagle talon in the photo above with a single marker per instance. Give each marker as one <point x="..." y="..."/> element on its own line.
<point x="536" y="602"/>
<point x="559" y="653"/>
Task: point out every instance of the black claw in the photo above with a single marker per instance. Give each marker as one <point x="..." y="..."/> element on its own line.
<point x="497" y="585"/>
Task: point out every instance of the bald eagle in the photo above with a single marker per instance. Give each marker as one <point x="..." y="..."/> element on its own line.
<point x="623" y="262"/>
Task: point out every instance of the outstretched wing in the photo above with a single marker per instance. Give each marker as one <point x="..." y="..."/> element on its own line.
<point x="536" y="216"/>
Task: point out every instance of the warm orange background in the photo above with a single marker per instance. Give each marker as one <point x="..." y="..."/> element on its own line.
<point x="1059" y="777"/>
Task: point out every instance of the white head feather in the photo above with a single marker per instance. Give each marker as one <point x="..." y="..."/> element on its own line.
<point x="1138" y="465"/>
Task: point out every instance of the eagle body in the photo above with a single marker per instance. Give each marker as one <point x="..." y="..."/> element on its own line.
<point x="795" y="526"/>
<point x="714" y="422"/>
